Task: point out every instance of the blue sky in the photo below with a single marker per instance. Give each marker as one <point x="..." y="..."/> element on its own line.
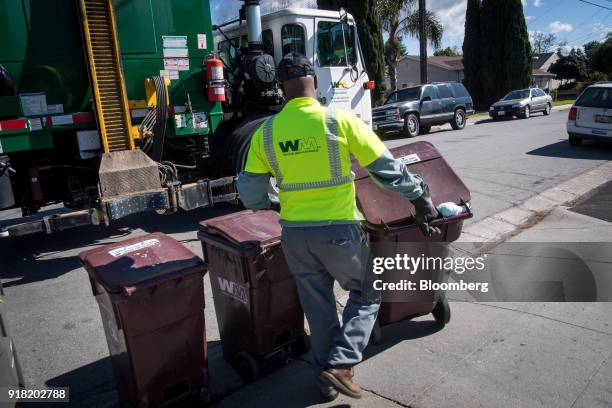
<point x="570" y="20"/>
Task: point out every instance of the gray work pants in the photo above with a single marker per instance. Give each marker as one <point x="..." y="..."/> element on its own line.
<point x="317" y="256"/>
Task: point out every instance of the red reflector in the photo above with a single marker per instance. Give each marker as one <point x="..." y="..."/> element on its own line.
<point x="48" y="121"/>
<point x="83" y="117"/>
<point x="13" y="124"/>
<point x="369" y="85"/>
<point x="572" y="113"/>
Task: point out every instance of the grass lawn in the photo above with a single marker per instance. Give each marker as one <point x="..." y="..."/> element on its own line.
<point x="563" y="102"/>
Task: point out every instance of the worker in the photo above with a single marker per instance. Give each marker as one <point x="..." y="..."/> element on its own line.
<point x="308" y="148"/>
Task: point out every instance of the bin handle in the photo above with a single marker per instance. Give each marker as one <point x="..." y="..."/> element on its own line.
<point x="438" y="221"/>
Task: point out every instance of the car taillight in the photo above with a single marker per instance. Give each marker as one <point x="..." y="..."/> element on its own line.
<point x="369" y="85"/>
<point x="572" y="113"/>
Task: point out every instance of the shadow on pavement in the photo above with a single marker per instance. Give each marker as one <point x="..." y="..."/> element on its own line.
<point x="589" y="150"/>
<point x="40" y="256"/>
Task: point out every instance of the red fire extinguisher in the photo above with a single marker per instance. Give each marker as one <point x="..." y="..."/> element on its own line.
<point x="214" y="79"/>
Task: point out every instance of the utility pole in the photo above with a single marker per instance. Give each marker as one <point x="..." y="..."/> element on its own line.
<point x="423" y="41"/>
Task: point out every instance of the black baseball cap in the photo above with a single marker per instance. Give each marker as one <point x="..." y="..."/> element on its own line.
<point x="294" y="65"/>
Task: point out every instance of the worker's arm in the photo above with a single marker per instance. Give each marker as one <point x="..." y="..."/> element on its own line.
<point x="252" y="183"/>
<point x="372" y="154"/>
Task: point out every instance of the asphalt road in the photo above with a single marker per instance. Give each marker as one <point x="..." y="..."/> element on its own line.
<point x="54" y="317"/>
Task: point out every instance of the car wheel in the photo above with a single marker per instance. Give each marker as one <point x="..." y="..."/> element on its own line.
<point x="411" y="125"/>
<point x="459" y="119"/>
<point x="574" y="140"/>
<point x="424" y="129"/>
<point x="547" y="109"/>
<point x="527" y="113"/>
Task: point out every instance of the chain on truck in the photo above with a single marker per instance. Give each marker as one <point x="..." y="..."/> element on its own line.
<point x="113" y="108"/>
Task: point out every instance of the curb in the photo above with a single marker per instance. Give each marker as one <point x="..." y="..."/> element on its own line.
<point x="505" y="224"/>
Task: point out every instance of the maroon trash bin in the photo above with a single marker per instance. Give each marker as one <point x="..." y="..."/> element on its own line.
<point x="390" y="222"/>
<point x="258" y="310"/>
<point x="151" y="298"/>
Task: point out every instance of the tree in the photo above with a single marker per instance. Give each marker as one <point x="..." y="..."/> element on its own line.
<point x="446" y="52"/>
<point x="471" y="51"/>
<point x="505" y="49"/>
<point x="570" y="67"/>
<point x="542" y="42"/>
<point x="370" y="37"/>
<point x="401" y="17"/>
<point x="600" y="57"/>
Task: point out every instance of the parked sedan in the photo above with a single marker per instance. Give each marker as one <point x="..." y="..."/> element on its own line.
<point x="521" y="103"/>
<point x="591" y="115"/>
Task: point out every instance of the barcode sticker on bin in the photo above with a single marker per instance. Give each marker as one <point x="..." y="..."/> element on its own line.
<point x="134" y="247"/>
<point x="411" y="158"/>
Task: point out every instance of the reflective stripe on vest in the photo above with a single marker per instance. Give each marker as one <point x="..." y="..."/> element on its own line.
<point x="333" y="151"/>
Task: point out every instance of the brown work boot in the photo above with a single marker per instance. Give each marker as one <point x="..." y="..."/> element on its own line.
<point x="341" y="378"/>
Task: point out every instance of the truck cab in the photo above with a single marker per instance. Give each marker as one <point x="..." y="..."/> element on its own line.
<point x="328" y="39"/>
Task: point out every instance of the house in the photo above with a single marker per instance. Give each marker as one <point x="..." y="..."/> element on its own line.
<point x="540" y="65"/>
<point x="439" y="69"/>
<point x="446" y="69"/>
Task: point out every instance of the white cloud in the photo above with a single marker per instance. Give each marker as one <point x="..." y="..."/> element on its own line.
<point x="602" y="30"/>
<point x="538" y="3"/>
<point x="557" y="27"/>
<point x="452" y="17"/>
<point x="529" y="18"/>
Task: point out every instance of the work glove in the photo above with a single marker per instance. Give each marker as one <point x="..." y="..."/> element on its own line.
<point x="425" y="212"/>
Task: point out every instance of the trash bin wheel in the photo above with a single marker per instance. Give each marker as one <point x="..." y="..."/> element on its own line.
<point x="248" y="367"/>
<point x="376" y="336"/>
<point x="442" y="312"/>
<point x="300" y="346"/>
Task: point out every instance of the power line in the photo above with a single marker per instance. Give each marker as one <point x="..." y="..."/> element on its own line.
<point x="548" y="10"/>
<point x="595" y="4"/>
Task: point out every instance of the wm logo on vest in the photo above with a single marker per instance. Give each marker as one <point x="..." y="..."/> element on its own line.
<point x="298" y="146"/>
<point x="233" y="290"/>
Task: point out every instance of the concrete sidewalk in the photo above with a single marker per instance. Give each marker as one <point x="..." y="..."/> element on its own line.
<point x="489" y="355"/>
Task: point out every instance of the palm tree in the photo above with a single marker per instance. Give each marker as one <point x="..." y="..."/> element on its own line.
<point x="401" y="17"/>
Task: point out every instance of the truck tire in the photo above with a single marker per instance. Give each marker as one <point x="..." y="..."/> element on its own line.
<point x="231" y="151"/>
<point x="411" y="125"/>
<point x="459" y="119"/>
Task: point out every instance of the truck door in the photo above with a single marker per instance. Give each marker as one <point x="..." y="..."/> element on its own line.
<point x="431" y="106"/>
<point x="339" y="68"/>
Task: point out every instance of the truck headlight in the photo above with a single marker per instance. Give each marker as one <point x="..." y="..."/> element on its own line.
<point x="491" y="108"/>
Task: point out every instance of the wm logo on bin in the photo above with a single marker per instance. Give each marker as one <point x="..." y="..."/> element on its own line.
<point x="233" y="290"/>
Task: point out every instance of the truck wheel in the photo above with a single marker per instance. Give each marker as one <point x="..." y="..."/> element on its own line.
<point x="547" y="109"/>
<point x="411" y="125"/>
<point x="248" y="367"/>
<point x="442" y="312"/>
<point x="574" y="140"/>
<point x="459" y="119"/>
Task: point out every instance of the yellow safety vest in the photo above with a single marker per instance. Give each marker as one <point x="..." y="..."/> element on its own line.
<point x="308" y="148"/>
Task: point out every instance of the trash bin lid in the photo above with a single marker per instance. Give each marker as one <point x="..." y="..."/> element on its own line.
<point x="139" y="262"/>
<point x="380" y="206"/>
<point x="261" y="227"/>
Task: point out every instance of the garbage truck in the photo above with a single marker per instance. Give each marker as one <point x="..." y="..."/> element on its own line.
<point x="116" y="107"/>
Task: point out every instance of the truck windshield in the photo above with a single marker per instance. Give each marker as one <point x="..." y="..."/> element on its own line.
<point x="522" y="94"/>
<point x="335" y="44"/>
<point x="407" y="94"/>
<point x="596" y="97"/>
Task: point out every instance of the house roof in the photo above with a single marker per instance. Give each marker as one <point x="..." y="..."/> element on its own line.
<point x="539" y="72"/>
<point x="540" y="59"/>
<point x="448" y="63"/>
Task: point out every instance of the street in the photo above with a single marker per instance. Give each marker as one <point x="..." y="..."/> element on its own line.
<point x="56" y="324"/>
